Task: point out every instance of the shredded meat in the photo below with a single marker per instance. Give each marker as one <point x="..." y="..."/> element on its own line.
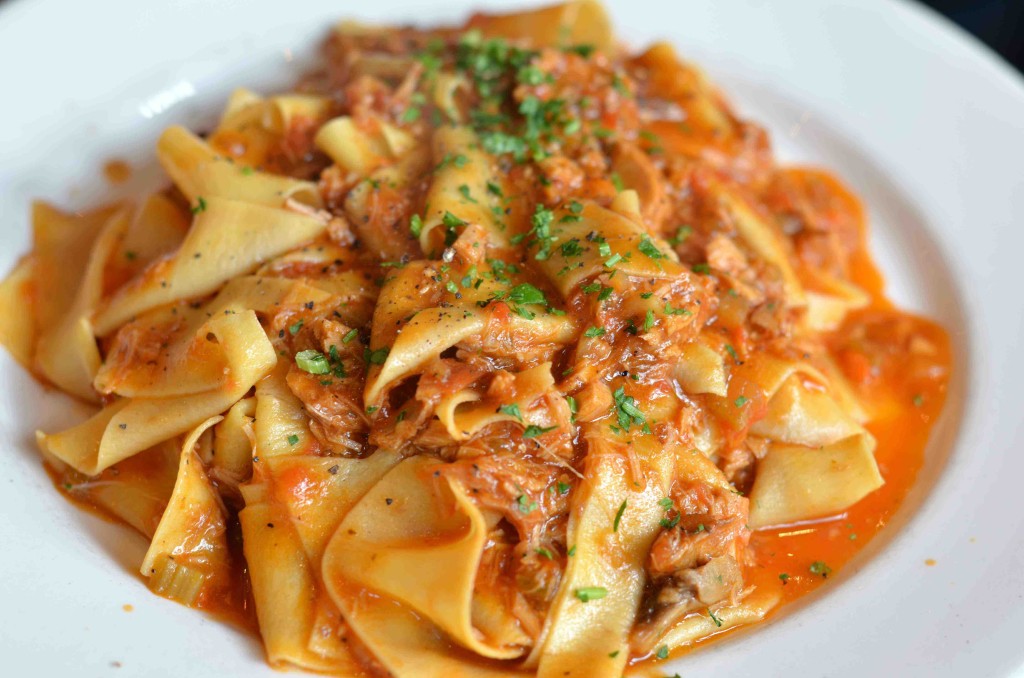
<point x="695" y="561"/>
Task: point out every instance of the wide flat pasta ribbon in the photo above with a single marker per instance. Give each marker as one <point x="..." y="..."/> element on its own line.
<point x="130" y="425"/>
<point x="419" y="543"/>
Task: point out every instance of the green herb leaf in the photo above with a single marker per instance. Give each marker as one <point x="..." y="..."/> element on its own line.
<point x="312" y="361"/>
<point x="819" y="567"/>
<point x="524" y="504"/>
<point x="648" y="248"/>
<point x="293" y="439"/>
<point x="377" y="357"/>
<point x="511" y="410"/>
<point x="589" y="593"/>
<point x="618" y="516"/>
<point x="648" y="320"/>
<point x="626" y="410"/>
<point x="718" y="622"/>
<point x="534" y="431"/>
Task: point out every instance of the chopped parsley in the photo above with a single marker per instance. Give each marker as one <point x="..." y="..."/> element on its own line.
<point x="293" y="439"/>
<point x="526" y="294"/>
<point x="349" y="336"/>
<point x="589" y="593"/>
<point x="377" y="357"/>
<point x="534" y="431"/>
<point x="495" y="190"/>
<point x="718" y="622"/>
<point x="294" y="329"/>
<point x="626" y="411"/>
<point x="464" y="192"/>
<point x="546" y="553"/>
<point x="539" y="233"/>
<point x="676" y="311"/>
<point x="648" y="320"/>
<point x="741" y="401"/>
<point x="524" y="504"/>
<point x="511" y="410"/>
<point x="571" y="248"/>
<point x="594" y="332"/>
<point x="667" y="505"/>
<point x="682" y="233"/>
<point x="785" y="578"/>
<point x="450" y="222"/>
<point x="415" y="225"/>
<point x="200" y="205"/>
<point x="662" y="652"/>
<point x="648" y="248"/>
<point x="819" y="567"/>
<point x="313" y="362"/>
<point x="618" y="516"/>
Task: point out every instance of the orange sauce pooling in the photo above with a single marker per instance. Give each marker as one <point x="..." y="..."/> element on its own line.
<point x="898" y="365"/>
<point x="117" y="171"/>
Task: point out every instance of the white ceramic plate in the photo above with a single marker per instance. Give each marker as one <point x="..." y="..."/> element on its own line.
<point x="922" y="121"/>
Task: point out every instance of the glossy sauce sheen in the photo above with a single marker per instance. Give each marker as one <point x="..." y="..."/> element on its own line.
<point x="897" y="364"/>
<point x="915" y="402"/>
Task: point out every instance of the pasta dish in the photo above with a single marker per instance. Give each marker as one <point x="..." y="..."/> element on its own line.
<point x="489" y="350"/>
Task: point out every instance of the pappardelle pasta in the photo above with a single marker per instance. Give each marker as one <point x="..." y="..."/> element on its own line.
<point x="492" y="350"/>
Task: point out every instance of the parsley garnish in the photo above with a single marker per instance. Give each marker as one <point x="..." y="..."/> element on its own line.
<point x="594" y="332"/>
<point x="662" y="652"/>
<point x="626" y="410"/>
<point x="618" y="516"/>
<point x="293" y="439"/>
<point x="718" y="622"/>
<point x="819" y="567"/>
<point x="741" y="401"/>
<point x="200" y="205"/>
<point x="294" y="329"/>
<point x="511" y="410"/>
<point x="589" y="593"/>
<point x="377" y="357"/>
<point x="415" y="225"/>
<point x="526" y="294"/>
<point x="648" y="320"/>
<point x="451" y="222"/>
<point x="312" y="361"/>
<point x="540" y="231"/>
<point x="534" y="431"/>
<point x="785" y="578"/>
<point x="524" y="504"/>
<point x="682" y="233"/>
<point x="648" y="247"/>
